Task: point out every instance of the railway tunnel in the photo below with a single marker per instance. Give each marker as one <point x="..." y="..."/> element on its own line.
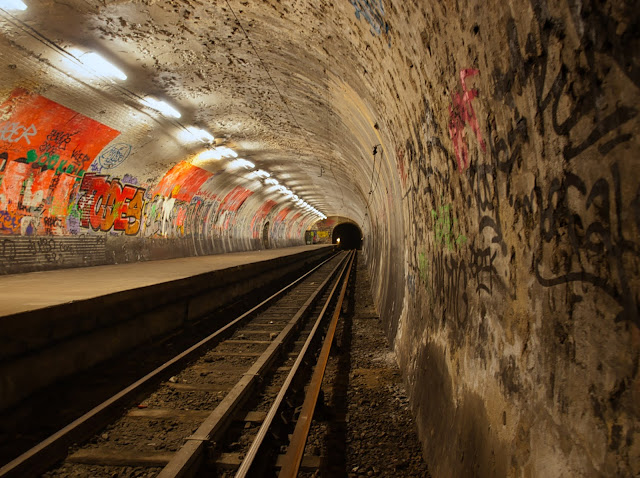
<point x="485" y="151"/>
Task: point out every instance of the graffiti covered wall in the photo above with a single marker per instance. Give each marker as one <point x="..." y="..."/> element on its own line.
<point x="519" y="331"/>
<point x="64" y="201"/>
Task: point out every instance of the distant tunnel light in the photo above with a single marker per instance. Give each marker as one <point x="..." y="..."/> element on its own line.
<point x="161" y="106"/>
<point x="191" y="133"/>
<point x="12" y="5"/>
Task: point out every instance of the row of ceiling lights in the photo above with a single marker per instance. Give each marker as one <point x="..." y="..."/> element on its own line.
<point x="100" y="67"/>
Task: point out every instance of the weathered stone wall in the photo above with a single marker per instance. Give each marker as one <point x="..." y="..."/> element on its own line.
<point x="514" y="130"/>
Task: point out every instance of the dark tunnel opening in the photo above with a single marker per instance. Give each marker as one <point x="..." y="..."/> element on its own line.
<point x="347" y="236"/>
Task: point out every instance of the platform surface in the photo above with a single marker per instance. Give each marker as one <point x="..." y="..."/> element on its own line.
<point x="37" y="290"/>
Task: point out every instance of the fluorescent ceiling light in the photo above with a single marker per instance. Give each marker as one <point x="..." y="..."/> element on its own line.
<point x="92" y="64"/>
<point x="208" y="155"/>
<point x="191" y="133"/>
<point x="285" y="191"/>
<point x="161" y="106"/>
<point x="218" y="153"/>
<point x="263" y="174"/>
<point x="101" y="66"/>
<point x="12" y="5"/>
<point x="226" y="152"/>
<point x="241" y="163"/>
<point x="271" y="181"/>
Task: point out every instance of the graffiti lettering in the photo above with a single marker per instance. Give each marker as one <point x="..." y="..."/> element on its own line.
<point x="444" y="227"/>
<point x="7" y="250"/>
<point x="14" y="132"/>
<point x="108" y="205"/>
<point x="589" y="247"/>
<point x="9" y="223"/>
<point x="56" y="141"/>
<point x="461" y="113"/>
<point x="449" y="286"/>
<point x="534" y="67"/>
<point x="373" y="12"/>
<point x="114" y="155"/>
<point x="48" y="161"/>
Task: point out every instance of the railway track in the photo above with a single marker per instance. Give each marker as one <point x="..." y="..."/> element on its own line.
<point x="228" y="404"/>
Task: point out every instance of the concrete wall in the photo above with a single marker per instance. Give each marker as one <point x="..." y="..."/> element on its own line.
<point x="514" y="131"/>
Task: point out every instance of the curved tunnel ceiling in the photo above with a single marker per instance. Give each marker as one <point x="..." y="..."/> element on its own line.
<point x="281" y="85"/>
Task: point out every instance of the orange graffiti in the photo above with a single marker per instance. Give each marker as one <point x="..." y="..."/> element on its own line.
<point x="45" y="150"/>
<point x="182" y="182"/>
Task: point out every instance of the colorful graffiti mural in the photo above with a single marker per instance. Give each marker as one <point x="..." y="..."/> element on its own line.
<point x="108" y="205"/>
<point x="259" y="217"/>
<point x="57" y="183"/>
<point x="180" y="202"/>
<point x="45" y="150"/>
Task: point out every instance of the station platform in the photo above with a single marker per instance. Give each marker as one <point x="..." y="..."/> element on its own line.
<point x="37" y="290"/>
<point x="56" y="323"/>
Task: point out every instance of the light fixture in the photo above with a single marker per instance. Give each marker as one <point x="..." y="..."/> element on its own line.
<point x="226" y="152"/>
<point x="262" y="174"/>
<point x="191" y="133"/>
<point x="208" y="155"/>
<point x="218" y="153"/>
<point x="92" y="64"/>
<point x="285" y="191"/>
<point x="241" y="163"/>
<point x="12" y="5"/>
<point x="271" y="181"/>
<point x="161" y="106"/>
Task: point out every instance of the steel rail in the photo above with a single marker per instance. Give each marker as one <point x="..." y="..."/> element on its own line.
<point x="40" y="457"/>
<point x="295" y="451"/>
<point x="186" y="461"/>
<point x="252" y="453"/>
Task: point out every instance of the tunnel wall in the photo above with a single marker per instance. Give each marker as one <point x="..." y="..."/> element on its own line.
<point x="73" y="193"/>
<point x="513" y="130"/>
